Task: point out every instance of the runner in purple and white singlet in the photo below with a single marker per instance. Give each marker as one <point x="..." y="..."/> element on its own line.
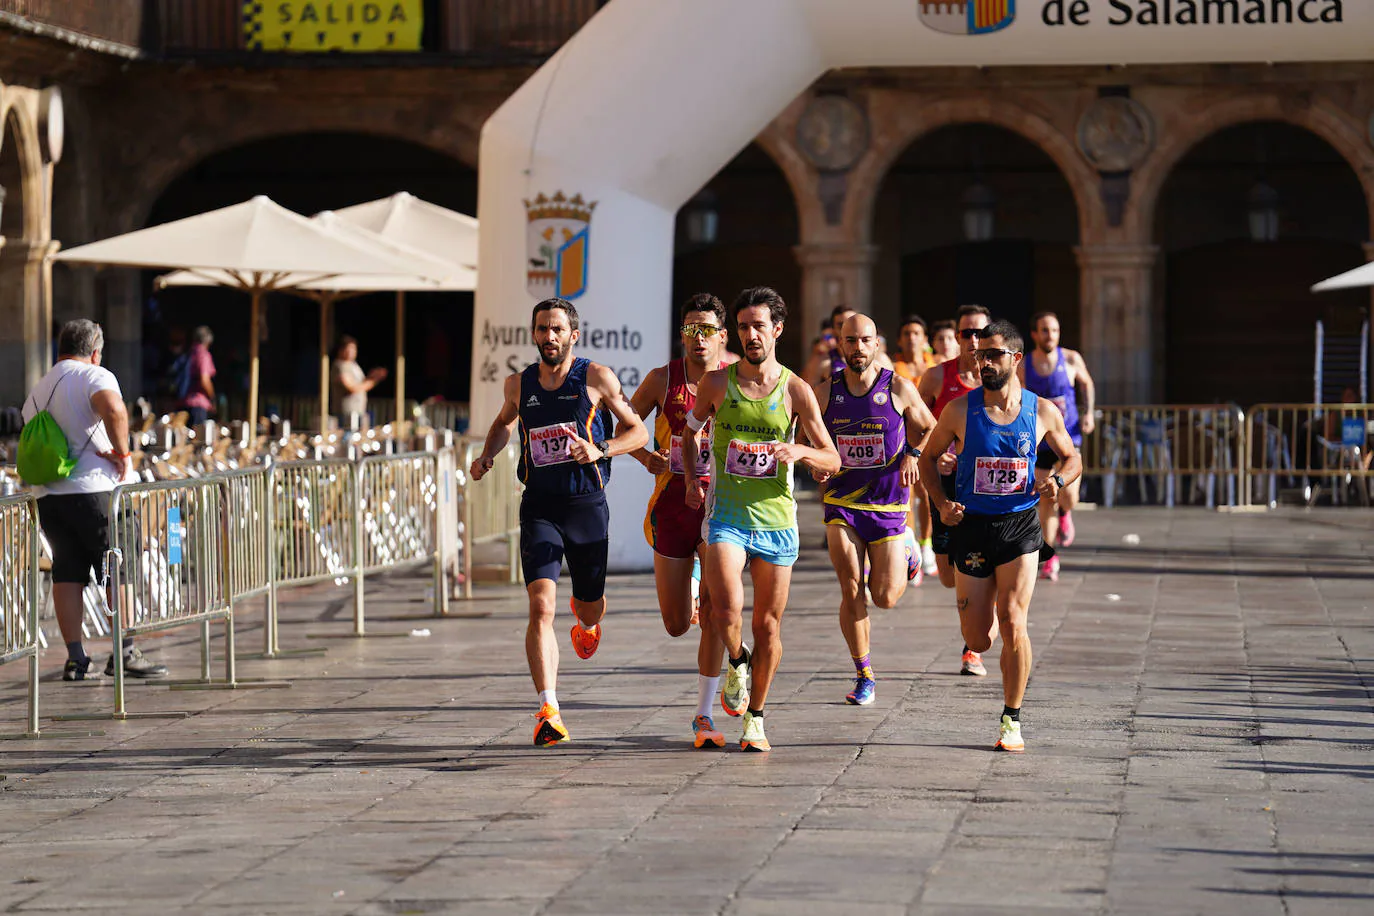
<point x="877" y="421"/>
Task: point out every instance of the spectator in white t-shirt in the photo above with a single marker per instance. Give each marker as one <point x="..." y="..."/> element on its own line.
<point x="86" y="402"/>
<point x="351" y="385"/>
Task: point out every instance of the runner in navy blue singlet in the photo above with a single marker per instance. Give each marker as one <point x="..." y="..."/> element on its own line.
<point x="559" y="406"/>
<point x="995" y="540"/>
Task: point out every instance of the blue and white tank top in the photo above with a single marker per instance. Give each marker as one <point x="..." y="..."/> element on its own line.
<point x="996" y="473"/>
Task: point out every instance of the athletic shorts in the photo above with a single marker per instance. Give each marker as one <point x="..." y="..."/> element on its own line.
<point x="576" y="527"/>
<point x="776" y="547"/>
<point x="939" y="531"/>
<point x="674" y="530"/>
<point x="77" y="526"/>
<point x="1046" y="458"/>
<point x="981" y="543"/>
<point x="871" y="527"/>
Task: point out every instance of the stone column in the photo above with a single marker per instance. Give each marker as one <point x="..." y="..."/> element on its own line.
<point x="1118" y="320"/>
<point x="834" y="274"/>
<point x="1367" y="396"/>
<point x="25" y="322"/>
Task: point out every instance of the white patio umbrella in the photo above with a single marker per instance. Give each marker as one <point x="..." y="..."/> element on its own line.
<point x="407" y="220"/>
<point x="1360" y="276"/>
<point x="328" y="290"/>
<point x="257" y="246"/>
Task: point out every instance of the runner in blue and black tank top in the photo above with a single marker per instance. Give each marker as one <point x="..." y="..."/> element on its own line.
<point x="1059" y="375"/>
<point x="995" y="538"/>
<point x="877" y="421"/>
<point x="559" y="405"/>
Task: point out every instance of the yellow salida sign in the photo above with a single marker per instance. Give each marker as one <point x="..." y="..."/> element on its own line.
<point x="332" y="25"/>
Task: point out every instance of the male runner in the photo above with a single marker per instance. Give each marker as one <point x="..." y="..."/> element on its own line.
<point x="755" y="406"/>
<point x="913" y="359"/>
<point x="878" y="422"/>
<point x="672" y="529"/>
<point x="1056" y="373"/>
<point x="564" y="463"/>
<point x="944" y="341"/>
<point x="995" y="538"/>
<point x="825" y="355"/>
<point x="952" y="380"/>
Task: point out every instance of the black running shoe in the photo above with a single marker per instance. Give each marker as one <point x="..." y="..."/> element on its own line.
<point x="80" y="671"/>
<point x="136" y="664"/>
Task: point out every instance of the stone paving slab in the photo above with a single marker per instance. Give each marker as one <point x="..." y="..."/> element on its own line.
<point x="1199" y="726"/>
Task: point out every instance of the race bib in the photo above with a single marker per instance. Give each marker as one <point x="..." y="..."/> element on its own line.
<point x="751" y="459"/>
<point x="703" y="455"/>
<point x="1000" y="476"/>
<point x="552" y="444"/>
<point x="862" y="451"/>
<point x="1062" y="402"/>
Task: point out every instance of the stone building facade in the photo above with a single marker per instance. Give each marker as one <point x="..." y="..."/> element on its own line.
<point x="1114" y="137"/>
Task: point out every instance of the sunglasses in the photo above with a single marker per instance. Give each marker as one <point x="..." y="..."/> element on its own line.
<point x="992" y="354"/>
<point x="971" y="333"/>
<point x="700" y="330"/>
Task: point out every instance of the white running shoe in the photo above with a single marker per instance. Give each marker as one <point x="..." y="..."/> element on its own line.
<point x="1009" y="737"/>
<point x="928" y="561"/>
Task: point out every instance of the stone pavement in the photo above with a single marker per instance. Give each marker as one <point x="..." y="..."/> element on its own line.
<point x="1199" y="731"/>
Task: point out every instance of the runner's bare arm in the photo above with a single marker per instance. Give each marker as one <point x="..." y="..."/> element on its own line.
<point x="929" y="388"/>
<point x="948" y="430"/>
<point x="821" y="456"/>
<point x="919" y="422"/>
<point x="501" y="428"/>
<point x="710" y="394"/>
<point x="822" y="390"/>
<point x="648" y="397"/>
<point x="1082" y="378"/>
<point x="1057" y="438"/>
<point x="630" y="433"/>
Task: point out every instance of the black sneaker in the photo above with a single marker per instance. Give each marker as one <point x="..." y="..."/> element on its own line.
<point x="80" y="671"/>
<point x="136" y="664"/>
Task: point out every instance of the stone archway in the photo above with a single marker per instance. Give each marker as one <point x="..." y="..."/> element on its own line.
<point x="24" y="315"/>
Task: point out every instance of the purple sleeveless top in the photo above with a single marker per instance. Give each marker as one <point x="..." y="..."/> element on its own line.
<point x="1056" y="388"/>
<point x="871" y="438"/>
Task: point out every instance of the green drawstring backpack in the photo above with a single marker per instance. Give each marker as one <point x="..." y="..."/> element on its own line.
<point x="43" y="452"/>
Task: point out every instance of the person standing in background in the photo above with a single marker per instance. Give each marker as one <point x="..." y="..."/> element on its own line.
<point x="351" y="385"/>
<point x="197" y="388"/>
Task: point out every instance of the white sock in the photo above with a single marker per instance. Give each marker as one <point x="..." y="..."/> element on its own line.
<point x="550" y="697"/>
<point x="707" y="688"/>
<point x="696" y="589"/>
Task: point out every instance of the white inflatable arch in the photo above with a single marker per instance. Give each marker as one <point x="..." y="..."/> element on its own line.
<point x="583" y="169"/>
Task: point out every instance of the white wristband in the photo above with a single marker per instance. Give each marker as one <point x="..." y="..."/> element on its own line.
<point x="693" y="423"/>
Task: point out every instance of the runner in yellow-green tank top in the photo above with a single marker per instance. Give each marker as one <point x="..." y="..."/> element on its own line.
<point x="752" y="517"/>
<point x="750" y="488"/>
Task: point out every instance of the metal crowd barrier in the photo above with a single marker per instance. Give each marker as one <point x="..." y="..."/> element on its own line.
<point x="491" y="509"/>
<point x="398" y="514"/>
<point x="314" y="538"/>
<point x="166" y="568"/>
<point x="19" y="633"/>
<point x="1163" y="447"/>
<point x="1314" y="447"/>
<point x="249" y="529"/>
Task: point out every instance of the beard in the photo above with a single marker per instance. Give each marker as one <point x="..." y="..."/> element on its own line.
<point x="858" y="362"/>
<point x="756" y="358"/>
<point x="994" y="380"/>
<point x="557" y="358"/>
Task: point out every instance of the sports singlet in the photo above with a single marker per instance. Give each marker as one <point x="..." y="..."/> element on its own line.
<point x="749" y="489"/>
<point x="547" y="421"/>
<point x="996" y="473"/>
<point x="871" y="438"/>
<point x="678" y="401"/>
<point x="951" y="386"/>
<point x="1057" y="388"/>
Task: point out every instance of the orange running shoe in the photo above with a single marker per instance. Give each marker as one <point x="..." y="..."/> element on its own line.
<point x="971" y="663"/>
<point x="584" y="641"/>
<point x="704" y="733"/>
<point x="548" y="727"/>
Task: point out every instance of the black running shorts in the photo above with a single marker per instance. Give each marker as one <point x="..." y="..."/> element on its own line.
<point x="981" y="543"/>
<point x="575" y="527"/>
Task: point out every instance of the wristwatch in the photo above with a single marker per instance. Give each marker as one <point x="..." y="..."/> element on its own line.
<point x="1058" y="481"/>
<point x="913" y="451"/>
<point x="602" y="445"/>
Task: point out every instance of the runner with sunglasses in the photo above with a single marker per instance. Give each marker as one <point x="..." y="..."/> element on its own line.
<point x="938" y="388"/>
<point x="995" y="537"/>
<point x="878" y="423"/>
<point x="673" y="529"/>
